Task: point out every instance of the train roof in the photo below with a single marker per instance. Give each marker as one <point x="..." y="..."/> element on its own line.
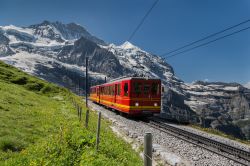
<point x="128" y="78"/>
<point x="133" y="78"/>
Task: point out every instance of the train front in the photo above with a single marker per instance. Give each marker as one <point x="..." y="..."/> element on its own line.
<point x="145" y="96"/>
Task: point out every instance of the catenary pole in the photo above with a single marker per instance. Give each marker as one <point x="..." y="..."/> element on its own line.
<point x="86" y="82"/>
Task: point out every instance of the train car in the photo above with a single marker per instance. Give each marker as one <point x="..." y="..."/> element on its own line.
<point x="134" y="96"/>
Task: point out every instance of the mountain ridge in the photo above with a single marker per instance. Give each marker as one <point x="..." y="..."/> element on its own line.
<point x="59" y="51"/>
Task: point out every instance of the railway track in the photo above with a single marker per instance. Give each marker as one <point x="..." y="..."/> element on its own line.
<point x="230" y="152"/>
<point x="233" y="153"/>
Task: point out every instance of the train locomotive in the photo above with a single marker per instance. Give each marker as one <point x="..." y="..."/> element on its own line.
<point x="132" y="96"/>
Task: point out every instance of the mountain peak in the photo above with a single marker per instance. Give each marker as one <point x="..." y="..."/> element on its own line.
<point x="45" y="22"/>
<point x="128" y="45"/>
<point x="57" y="29"/>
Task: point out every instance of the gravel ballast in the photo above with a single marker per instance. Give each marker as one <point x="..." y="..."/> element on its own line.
<point x="170" y="150"/>
<point x="214" y="137"/>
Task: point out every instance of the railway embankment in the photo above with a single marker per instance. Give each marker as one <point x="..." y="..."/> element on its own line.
<point x="39" y="126"/>
<point x="167" y="148"/>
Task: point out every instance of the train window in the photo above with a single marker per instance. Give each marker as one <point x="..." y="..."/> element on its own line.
<point x="137" y="88"/>
<point x="112" y="89"/>
<point x="126" y="89"/>
<point x="109" y="90"/>
<point x="146" y="89"/>
<point x="119" y="89"/>
<point x="155" y="89"/>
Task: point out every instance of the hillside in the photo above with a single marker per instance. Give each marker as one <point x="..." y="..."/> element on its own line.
<point x="56" y="52"/>
<point x="39" y="126"/>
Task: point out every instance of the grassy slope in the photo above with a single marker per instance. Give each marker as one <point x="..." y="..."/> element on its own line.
<point x="39" y="126"/>
<point x="220" y="133"/>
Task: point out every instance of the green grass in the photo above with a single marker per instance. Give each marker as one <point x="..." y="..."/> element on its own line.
<point x="39" y="126"/>
<point x="220" y="133"/>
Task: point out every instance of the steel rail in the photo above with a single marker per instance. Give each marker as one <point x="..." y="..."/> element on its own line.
<point x="233" y="153"/>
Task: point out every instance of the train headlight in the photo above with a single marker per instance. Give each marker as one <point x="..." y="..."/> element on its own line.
<point x="155" y="104"/>
<point x="136" y="104"/>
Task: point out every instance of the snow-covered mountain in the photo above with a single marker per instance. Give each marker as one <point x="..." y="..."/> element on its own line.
<point x="56" y="52"/>
<point x="247" y="85"/>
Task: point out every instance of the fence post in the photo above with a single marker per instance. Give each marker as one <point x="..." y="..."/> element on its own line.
<point x="148" y="149"/>
<point x="98" y="131"/>
<point x="87" y="118"/>
<point x="77" y="109"/>
<point x="80" y="113"/>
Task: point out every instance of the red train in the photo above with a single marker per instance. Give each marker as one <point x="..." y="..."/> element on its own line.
<point x="134" y="96"/>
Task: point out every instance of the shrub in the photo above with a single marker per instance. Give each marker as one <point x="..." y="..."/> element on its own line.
<point x="11" y="144"/>
<point x="49" y="88"/>
<point x="20" y="80"/>
<point x="34" y="86"/>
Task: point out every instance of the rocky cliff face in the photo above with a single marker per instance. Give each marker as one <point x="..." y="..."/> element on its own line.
<point x="5" y="50"/>
<point x="61" y="32"/>
<point x="224" y="106"/>
<point x="56" y="52"/>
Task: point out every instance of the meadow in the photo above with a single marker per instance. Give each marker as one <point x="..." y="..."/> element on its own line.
<point x="39" y="126"/>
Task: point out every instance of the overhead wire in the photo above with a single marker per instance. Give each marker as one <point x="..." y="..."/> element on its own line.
<point x="143" y="19"/>
<point x="207" y="37"/>
<point x="219" y="38"/>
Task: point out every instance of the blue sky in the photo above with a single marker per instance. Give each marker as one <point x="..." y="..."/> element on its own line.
<point x="171" y="24"/>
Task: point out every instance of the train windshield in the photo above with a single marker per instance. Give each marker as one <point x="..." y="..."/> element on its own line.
<point x="143" y="88"/>
<point x="137" y="88"/>
<point x="126" y="89"/>
<point x="146" y="89"/>
<point x="155" y="89"/>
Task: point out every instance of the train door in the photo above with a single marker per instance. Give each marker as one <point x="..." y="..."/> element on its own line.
<point x="115" y="92"/>
<point x="98" y="94"/>
<point x="103" y="92"/>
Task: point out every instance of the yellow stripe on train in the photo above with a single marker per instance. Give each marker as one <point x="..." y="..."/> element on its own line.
<point x="126" y="106"/>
